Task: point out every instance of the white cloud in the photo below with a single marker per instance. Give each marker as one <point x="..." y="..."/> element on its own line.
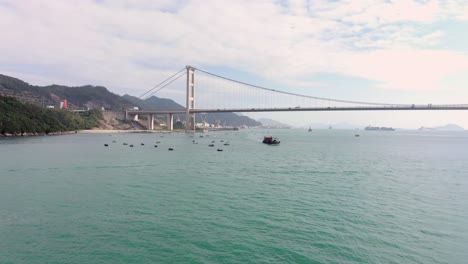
<point x="130" y="46"/>
<point x="407" y="69"/>
<point x="455" y="9"/>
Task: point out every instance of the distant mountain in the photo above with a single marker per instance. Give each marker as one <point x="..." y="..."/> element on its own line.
<point x="272" y="123"/>
<point x="316" y="126"/>
<point x="225" y="119"/>
<point x="341" y="125"/>
<point x="153" y="103"/>
<point x="344" y="125"/>
<point x="93" y="97"/>
<point x="449" y="127"/>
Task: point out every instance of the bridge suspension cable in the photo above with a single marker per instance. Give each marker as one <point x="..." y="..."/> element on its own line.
<point x="161" y="83"/>
<point x="299" y="95"/>
<point x="213" y="93"/>
<point x="165" y="85"/>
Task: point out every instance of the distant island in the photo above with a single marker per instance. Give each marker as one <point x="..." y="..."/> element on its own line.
<point x="448" y="127"/>
<point x="270" y="123"/>
<point x="341" y="125"/>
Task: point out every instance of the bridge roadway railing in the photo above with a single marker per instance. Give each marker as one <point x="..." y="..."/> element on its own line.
<point x="287" y="109"/>
<point x="133" y="114"/>
<point x="352" y="108"/>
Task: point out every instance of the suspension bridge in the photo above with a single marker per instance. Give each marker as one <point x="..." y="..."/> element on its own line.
<point x="213" y="93"/>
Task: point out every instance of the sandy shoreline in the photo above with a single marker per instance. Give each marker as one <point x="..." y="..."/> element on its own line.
<point x="89" y="131"/>
<point x="116" y="131"/>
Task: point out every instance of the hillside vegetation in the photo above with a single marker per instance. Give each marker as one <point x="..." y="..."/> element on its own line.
<point x="88" y="96"/>
<point x="17" y="118"/>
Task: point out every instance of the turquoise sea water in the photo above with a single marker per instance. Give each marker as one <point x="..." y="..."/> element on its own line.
<point x="320" y="197"/>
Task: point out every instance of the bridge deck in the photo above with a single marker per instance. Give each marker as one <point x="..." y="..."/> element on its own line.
<point x="292" y="109"/>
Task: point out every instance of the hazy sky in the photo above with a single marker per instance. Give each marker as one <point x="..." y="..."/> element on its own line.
<point x="365" y="50"/>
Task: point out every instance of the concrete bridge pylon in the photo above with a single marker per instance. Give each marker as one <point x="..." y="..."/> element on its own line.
<point x="190" y="117"/>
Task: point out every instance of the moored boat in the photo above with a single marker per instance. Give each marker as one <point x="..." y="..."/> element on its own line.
<point x="270" y="141"/>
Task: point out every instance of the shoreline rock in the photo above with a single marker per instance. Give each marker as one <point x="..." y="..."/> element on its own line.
<point x="90" y="131"/>
<point x="31" y="134"/>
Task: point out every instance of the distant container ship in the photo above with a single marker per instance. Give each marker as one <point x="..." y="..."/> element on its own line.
<point x="221" y="128"/>
<point x="379" y="128"/>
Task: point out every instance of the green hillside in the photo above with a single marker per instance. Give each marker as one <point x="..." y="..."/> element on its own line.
<point x="93" y="97"/>
<point x="17" y="118"/>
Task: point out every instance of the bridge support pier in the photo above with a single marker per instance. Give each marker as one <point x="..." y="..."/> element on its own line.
<point x="150" y="122"/>
<point x="170" y="122"/>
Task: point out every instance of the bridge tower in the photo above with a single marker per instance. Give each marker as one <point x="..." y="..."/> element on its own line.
<point x="190" y="117"/>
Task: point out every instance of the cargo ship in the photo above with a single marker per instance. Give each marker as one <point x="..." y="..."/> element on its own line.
<point x="379" y="128"/>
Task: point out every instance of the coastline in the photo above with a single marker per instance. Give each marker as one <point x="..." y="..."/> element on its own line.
<point x="86" y="131"/>
<point x="29" y="134"/>
<point x="119" y="131"/>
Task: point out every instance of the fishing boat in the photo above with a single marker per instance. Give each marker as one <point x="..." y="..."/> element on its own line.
<point x="270" y="141"/>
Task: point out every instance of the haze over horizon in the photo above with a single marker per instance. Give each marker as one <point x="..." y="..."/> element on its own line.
<point x="378" y="51"/>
